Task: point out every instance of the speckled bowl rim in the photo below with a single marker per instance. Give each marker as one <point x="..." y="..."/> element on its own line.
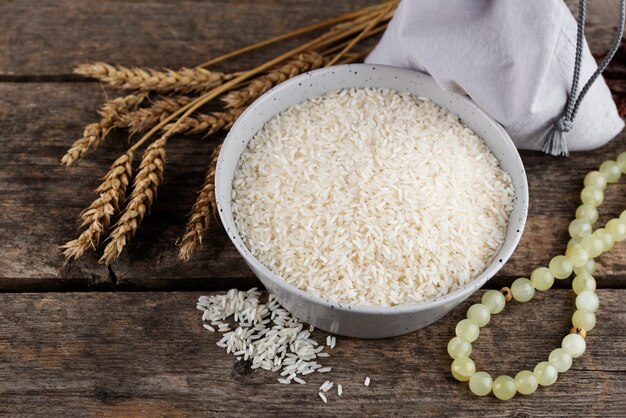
<point x="500" y="257"/>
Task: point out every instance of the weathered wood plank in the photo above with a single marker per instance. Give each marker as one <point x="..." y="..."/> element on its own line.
<point x="41" y="200"/>
<point x="52" y="37"/>
<point x="146" y="354"/>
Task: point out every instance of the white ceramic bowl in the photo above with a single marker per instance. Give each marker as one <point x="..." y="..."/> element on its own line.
<point x="352" y="320"/>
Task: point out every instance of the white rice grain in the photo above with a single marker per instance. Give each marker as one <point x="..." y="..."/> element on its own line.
<point x="367" y="381"/>
<point x="371" y="197"/>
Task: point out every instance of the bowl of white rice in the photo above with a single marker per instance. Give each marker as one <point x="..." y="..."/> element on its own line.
<point x="368" y="200"/>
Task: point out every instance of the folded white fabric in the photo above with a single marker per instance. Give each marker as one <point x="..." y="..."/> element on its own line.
<point x="514" y="58"/>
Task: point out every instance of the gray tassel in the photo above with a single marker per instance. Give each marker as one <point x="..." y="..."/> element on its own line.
<point x="554" y="142"/>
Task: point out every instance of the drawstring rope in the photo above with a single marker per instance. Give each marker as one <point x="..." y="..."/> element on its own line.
<point x="553" y="142"/>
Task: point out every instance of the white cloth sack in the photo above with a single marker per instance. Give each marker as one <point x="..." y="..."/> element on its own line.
<point x="514" y="58"/>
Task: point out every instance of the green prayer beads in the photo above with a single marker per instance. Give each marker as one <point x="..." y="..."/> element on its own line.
<point x="585" y="245"/>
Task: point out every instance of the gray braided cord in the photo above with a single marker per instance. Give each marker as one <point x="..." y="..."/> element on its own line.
<point x="554" y="143"/>
<point x="580" y="35"/>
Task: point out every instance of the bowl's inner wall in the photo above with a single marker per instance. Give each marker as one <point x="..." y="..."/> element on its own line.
<point x="322" y="81"/>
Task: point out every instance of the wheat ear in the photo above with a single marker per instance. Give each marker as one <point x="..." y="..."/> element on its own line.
<point x="206" y="123"/>
<point x="97" y="217"/>
<point x="183" y="81"/>
<point x="201" y="213"/>
<point x="95" y="133"/>
<point x="302" y="63"/>
<point x="145" y="187"/>
<point x="145" y="118"/>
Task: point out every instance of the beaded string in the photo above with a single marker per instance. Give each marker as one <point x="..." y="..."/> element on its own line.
<point x="584" y="246"/>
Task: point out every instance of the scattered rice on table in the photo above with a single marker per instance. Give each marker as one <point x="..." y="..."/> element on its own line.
<point x="371" y="197"/>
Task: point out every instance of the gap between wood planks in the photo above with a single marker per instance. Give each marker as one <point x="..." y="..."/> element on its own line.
<point x="43" y="78"/>
<point x="112" y="282"/>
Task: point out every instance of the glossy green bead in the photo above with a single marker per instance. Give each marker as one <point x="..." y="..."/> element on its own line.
<point x="622" y="216"/>
<point x="607" y="239"/>
<point x="526" y="382"/>
<point x="458" y="347"/>
<point x="467" y="330"/>
<point x="578" y="255"/>
<point x="592" y="195"/>
<point x="617" y="229"/>
<point x="621" y="160"/>
<point x="578" y="228"/>
<point x="481" y="383"/>
<point x="593" y="245"/>
<point x="584" y="319"/>
<point x="574" y="344"/>
<point x="572" y="242"/>
<point x="504" y="387"/>
<point x="494" y="300"/>
<point x="479" y="313"/>
<point x="560" y="359"/>
<point x="588" y="213"/>
<point x="582" y="282"/>
<point x="463" y="368"/>
<point x="541" y="278"/>
<point x="611" y="170"/>
<point x="545" y="373"/>
<point x="588" y="301"/>
<point x="595" y="178"/>
<point x="522" y="290"/>
<point x="561" y="267"/>
<point x="589" y="268"/>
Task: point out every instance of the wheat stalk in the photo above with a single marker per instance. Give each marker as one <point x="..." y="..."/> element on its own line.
<point x="145" y="187"/>
<point x="95" y="133"/>
<point x="302" y="63"/>
<point x="145" y="118"/>
<point x="183" y="81"/>
<point x="349" y="18"/>
<point x="200" y="217"/>
<point x="170" y="115"/>
<point x="97" y="217"/>
<point x="206" y="123"/>
<point x="370" y="26"/>
<point x="184" y="112"/>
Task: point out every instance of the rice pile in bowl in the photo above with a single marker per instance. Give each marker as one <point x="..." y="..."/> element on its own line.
<point x="371" y="197"/>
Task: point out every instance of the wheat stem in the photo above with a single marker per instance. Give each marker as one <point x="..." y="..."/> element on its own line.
<point x="294" y="33"/>
<point x="342" y="45"/>
<point x="97" y="217"/>
<point x="366" y="30"/>
<point x="200" y="217"/>
<point x="184" y="112"/>
<point x="304" y="62"/>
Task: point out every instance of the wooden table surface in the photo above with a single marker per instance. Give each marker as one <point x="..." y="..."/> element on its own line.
<point x="82" y="339"/>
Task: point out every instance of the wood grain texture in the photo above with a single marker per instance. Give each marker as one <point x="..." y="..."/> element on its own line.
<point x="147" y="354"/>
<point x="41" y="201"/>
<point x="51" y="37"/>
